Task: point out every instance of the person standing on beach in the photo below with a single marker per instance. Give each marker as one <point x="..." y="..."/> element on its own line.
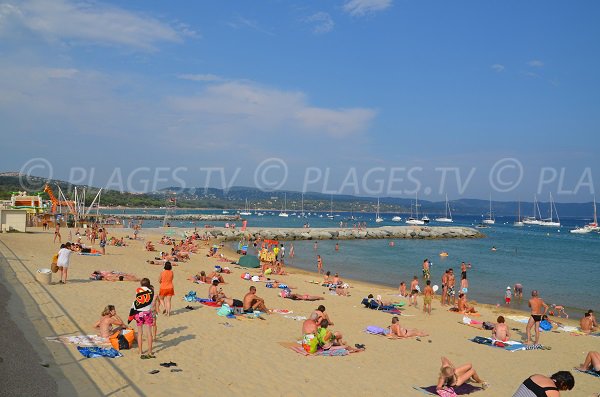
<point x="319" y="264"/>
<point x="536" y="304"/>
<point x="141" y="311"/>
<point x="427" y="297"/>
<point x="166" y="291"/>
<point x="57" y="232"/>
<point x="426" y="274"/>
<point x="414" y="291"/>
<point x="103" y="240"/>
<point x="445" y="288"/>
<point x="64" y="258"/>
<point x="450" y="283"/>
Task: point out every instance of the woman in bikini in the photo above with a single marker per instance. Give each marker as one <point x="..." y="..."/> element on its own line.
<point x="451" y="376"/>
<point x="397" y="332"/>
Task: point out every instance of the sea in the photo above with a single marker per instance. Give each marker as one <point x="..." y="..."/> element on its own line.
<point x="561" y="265"/>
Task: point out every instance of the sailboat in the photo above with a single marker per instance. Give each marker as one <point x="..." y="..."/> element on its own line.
<point x="246" y="210"/>
<point x="378" y="218"/>
<point x="448" y="217"/>
<point x="550" y="221"/>
<point x="415" y="220"/>
<point x="330" y="215"/>
<point x="533" y="220"/>
<point x="284" y="212"/>
<point x="396" y="218"/>
<point x="590" y="227"/>
<point x="490" y="220"/>
<point x="302" y="214"/>
<point x="518" y="222"/>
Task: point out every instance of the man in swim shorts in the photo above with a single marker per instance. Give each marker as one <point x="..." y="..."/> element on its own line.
<point x="253" y="302"/>
<point x="450" y="282"/>
<point x="426" y="273"/>
<point x="536" y="304"/>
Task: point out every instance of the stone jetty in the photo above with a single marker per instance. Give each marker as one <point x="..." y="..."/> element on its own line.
<point x="385" y="232"/>
<point x="179" y="217"/>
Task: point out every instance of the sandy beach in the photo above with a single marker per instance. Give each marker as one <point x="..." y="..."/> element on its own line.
<point x="245" y="356"/>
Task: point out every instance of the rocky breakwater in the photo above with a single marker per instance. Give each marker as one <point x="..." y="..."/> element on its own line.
<point x="385" y="232"/>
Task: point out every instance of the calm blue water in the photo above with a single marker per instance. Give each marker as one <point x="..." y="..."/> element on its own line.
<point x="561" y="265"/>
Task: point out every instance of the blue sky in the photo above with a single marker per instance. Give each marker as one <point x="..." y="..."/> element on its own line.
<point x="350" y="95"/>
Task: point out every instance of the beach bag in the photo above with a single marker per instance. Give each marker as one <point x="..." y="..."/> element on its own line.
<point x="488" y="325"/>
<point x="446" y="392"/>
<point x="224" y="310"/>
<point x="54" y="265"/>
<point x="122" y="339"/>
<point x="545" y="325"/>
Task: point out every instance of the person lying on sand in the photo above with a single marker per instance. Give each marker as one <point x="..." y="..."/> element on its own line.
<point x="106" y="322"/>
<point x="591" y="363"/>
<point x="397" y="332"/>
<point x="286" y="293"/>
<point x="232" y="302"/>
<point x="451" y="376"/>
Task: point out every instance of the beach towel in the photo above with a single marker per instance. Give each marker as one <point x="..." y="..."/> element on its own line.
<point x="589" y="372"/>
<point x="143" y="298"/>
<point x="296" y="318"/>
<point x="510" y="345"/>
<point x="375" y="330"/>
<point x="335" y="351"/>
<point x="461" y="390"/>
<point x="94" y="352"/>
<point x="90" y="254"/>
<point x="282" y="311"/>
<point x="519" y="319"/>
<point x="81" y="340"/>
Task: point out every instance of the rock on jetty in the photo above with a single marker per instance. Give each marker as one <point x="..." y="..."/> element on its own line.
<point x="180" y="217"/>
<point x="385" y="232"/>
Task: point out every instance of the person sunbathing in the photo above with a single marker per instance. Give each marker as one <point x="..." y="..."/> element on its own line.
<point x="253" y="302"/>
<point x="591" y="363"/>
<point x="216" y="276"/>
<point x="321" y="315"/>
<point x="397" y="332"/>
<point x="286" y="293"/>
<point x="501" y="331"/>
<point x="540" y="385"/>
<point x="231" y="302"/>
<point x="451" y="376"/>
<point x="463" y="305"/>
<point x="586" y="324"/>
<point x="106" y="322"/>
<point x="150" y="246"/>
<point x="202" y="278"/>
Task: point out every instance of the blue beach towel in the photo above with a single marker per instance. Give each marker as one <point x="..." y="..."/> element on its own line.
<point x="589" y="372"/>
<point x="375" y="330"/>
<point x="94" y="352"/>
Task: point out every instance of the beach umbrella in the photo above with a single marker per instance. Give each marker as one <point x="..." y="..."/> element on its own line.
<point x="249" y="261"/>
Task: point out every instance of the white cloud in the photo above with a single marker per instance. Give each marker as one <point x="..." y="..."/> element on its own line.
<point x="359" y="8"/>
<point x="531" y="75"/>
<point x="62" y="73"/>
<point x="322" y="22"/>
<point x="235" y="109"/>
<point x="535" y="63"/>
<point x="200" y="77"/>
<point x="497" y="67"/>
<point x="90" y="23"/>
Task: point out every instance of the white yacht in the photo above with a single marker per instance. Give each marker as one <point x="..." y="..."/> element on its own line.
<point x="519" y="222"/>
<point x="415" y="220"/>
<point x="448" y="217"/>
<point x="550" y="221"/>
<point x="590" y="227"/>
<point x="246" y="210"/>
<point x="490" y="220"/>
<point x="378" y="218"/>
<point x="284" y="213"/>
<point x="396" y="219"/>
